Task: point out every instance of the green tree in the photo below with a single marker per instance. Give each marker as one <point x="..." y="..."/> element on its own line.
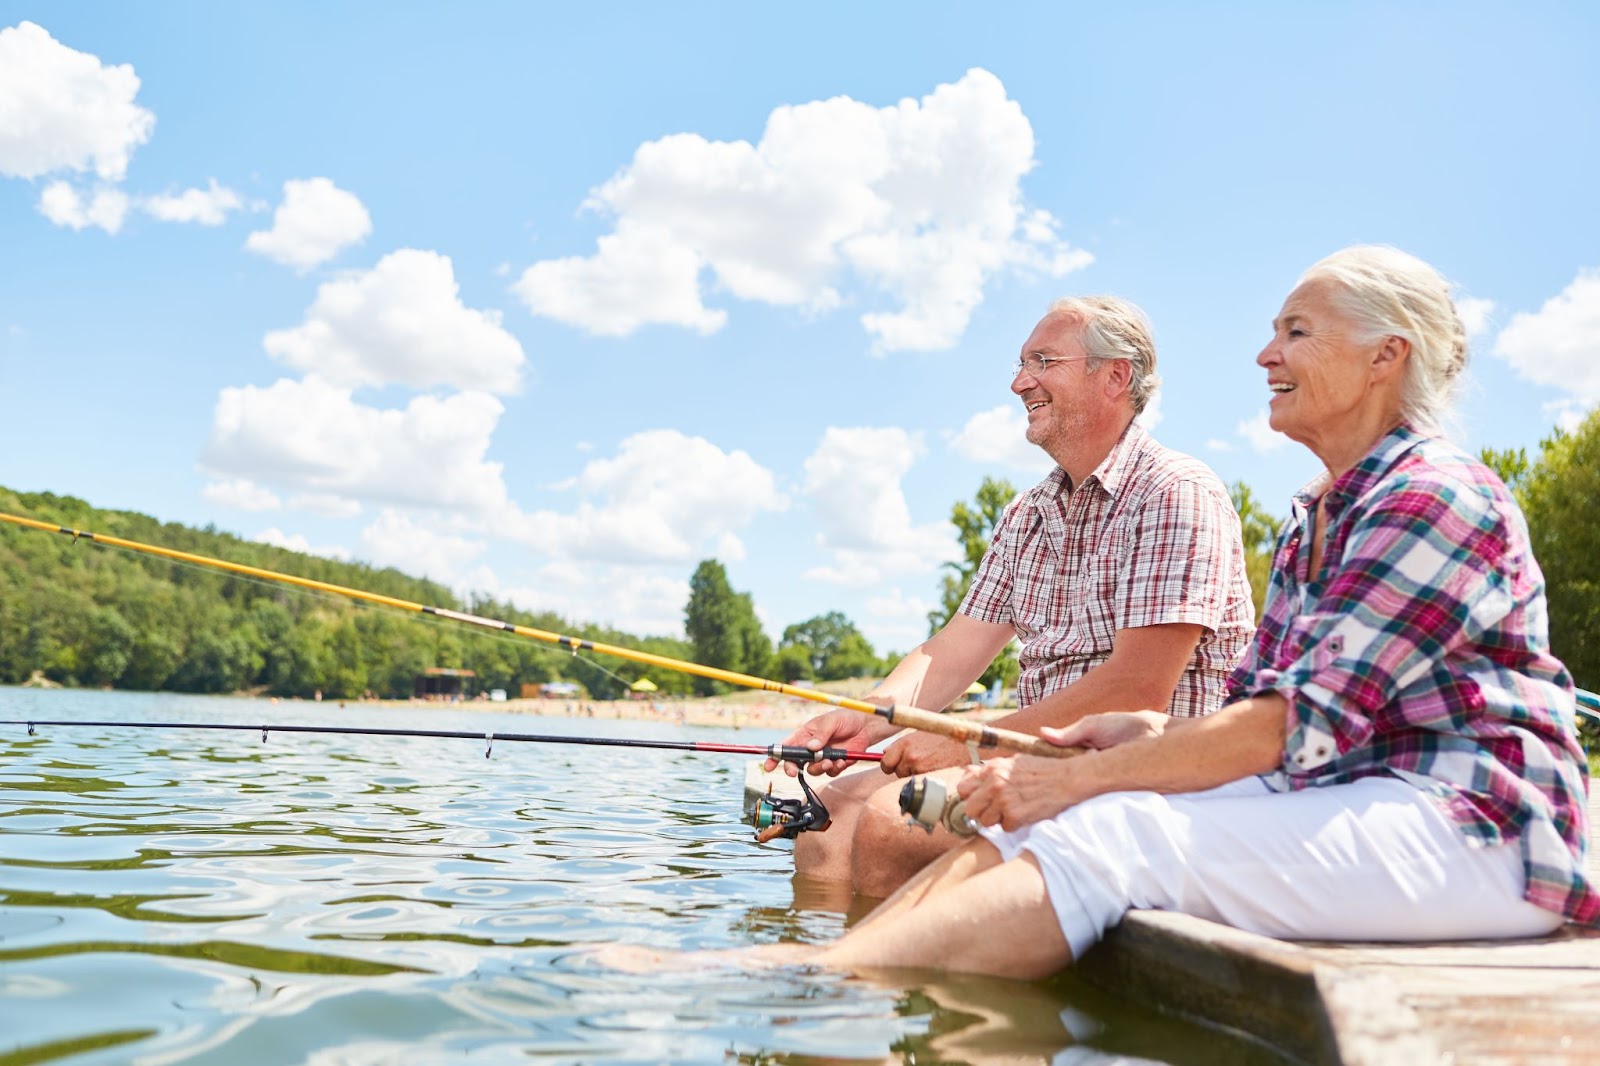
<point x="1259" y="531"/>
<point x="975" y="524"/>
<point x="974" y="527"/>
<point x="832" y="644"/>
<point x="110" y="652"/>
<point x="794" y="663"/>
<point x="722" y="627"/>
<point x="1560" y="494"/>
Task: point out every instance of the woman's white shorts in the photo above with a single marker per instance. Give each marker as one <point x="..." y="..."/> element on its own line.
<point x="1371" y="860"/>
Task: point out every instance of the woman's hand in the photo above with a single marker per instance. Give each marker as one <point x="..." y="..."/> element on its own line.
<point x="1013" y="792"/>
<point x="1100" y="731"/>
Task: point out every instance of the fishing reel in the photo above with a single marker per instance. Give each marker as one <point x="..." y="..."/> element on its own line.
<point x="927" y="802"/>
<point x="787" y="816"/>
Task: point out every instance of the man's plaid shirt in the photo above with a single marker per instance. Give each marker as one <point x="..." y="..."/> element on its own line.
<point x="1421" y="651"/>
<point x="1149" y="538"/>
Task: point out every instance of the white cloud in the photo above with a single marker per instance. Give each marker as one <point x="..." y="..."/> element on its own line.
<point x="208" y="207"/>
<point x="1260" y="435"/>
<point x="63" y="205"/>
<point x="853" y="480"/>
<point x="1216" y="444"/>
<point x="640" y="275"/>
<point x="1567" y="414"/>
<point x="61" y="109"/>
<point x="310" y="436"/>
<point x="1150" y="417"/>
<point x="297" y="542"/>
<point x="998" y="435"/>
<point x="401" y="323"/>
<point x="324" y="504"/>
<point x="665" y="497"/>
<point x="315" y="221"/>
<point x="413" y="546"/>
<point x="895" y="621"/>
<point x="632" y="600"/>
<point x="240" y="494"/>
<point x="1560" y="343"/>
<point x="920" y="201"/>
<point x="1476" y="314"/>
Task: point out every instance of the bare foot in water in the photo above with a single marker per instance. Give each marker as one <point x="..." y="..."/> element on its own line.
<point x="636" y="958"/>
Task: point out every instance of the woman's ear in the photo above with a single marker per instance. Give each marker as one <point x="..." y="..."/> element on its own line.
<point x="1391" y="356"/>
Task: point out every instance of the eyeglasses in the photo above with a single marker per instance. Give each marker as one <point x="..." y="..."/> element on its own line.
<point x="1036" y="364"/>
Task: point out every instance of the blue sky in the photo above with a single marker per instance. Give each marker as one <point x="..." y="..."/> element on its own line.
<point x="554" y="301"/>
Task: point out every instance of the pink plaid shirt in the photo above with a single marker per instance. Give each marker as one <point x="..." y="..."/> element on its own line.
<point x="1150" y="538"/>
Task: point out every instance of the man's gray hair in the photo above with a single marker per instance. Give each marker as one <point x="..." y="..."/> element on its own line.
<point x="1114" y="328"/>
<point x="1389" y="293"/>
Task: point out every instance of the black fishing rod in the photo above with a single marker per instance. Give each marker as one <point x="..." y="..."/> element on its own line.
<point x="774" y="816"/>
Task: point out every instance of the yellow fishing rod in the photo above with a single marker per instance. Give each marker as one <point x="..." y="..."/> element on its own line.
<point x="978" y="733"/>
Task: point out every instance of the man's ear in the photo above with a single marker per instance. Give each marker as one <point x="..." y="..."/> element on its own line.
<point x="1120" y="377"/>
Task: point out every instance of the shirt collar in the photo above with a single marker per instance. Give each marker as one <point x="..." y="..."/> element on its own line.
<point x="1114" y="468"/>
<point x="1359" y="479"/>
<point x="1109" y="475"/>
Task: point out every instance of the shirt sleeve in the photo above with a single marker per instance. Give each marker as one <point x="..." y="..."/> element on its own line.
<point x="1185" y="544"/>
<point x="1421" y="573"/>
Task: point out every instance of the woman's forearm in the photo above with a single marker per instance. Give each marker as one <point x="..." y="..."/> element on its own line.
<point x="1241" y="739"/>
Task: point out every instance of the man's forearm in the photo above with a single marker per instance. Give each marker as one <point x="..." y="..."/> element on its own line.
<point x="1103" y="689"/>
<point x="1144" y="670"/>
<point x="937" y="672"/>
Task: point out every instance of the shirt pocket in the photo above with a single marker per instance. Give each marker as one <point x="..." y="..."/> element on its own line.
<point x="1314" y="640"/>
<point x="1094" y="607"/>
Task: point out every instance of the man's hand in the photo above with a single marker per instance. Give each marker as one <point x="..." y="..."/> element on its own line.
<point x="921" y="753"/>
<point x="1015" y="792"/>
<point x="850" y="730"/>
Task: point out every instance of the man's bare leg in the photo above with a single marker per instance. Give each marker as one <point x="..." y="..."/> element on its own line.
<point x="885" y="850"/>
<point x="826" y="855"/>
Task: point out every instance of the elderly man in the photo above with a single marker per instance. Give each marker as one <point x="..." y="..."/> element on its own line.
<point x="1121" y="573"/>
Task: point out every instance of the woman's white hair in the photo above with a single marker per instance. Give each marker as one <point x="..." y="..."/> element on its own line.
<point x="1113" y="328"/>
<point x="1390" y="293"/>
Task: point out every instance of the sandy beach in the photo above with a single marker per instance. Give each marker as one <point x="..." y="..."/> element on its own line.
<point x="769" y="712"/>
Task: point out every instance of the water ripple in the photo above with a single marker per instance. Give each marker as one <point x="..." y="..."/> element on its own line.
<point x="201" y="897"/>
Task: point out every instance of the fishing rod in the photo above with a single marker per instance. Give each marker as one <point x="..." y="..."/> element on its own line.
<point x="773" y="816"/>
<point x="973" y="733"/>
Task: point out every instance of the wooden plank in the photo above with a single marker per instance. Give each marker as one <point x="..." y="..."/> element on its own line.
<point x="1478" y="1001"/>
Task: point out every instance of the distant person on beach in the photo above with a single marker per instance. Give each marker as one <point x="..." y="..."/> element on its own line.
<point x="1121" y="574"/>
<point x="1399" y="760"/>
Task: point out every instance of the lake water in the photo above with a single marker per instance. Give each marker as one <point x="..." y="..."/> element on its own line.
<point x="204" y="898"/>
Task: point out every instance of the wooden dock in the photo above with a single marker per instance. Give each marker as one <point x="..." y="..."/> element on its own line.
<point x="1522" y="1001"/>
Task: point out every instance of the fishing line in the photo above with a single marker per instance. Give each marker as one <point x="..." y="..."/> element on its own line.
<point x="783" y="752"/>
<point x="772" y="816"/>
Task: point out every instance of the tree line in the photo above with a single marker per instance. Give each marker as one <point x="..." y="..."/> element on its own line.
<point x="80" y="614"/>
<point x="83" y="615"/>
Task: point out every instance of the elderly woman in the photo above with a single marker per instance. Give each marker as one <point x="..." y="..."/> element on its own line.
<point x="1398" y="758"/>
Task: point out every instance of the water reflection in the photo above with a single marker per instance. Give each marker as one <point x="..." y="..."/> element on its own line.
<point x="204" y="898"/>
